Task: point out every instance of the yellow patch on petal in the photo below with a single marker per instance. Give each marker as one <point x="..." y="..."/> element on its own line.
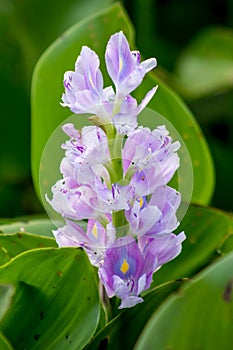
<point x="94" y="231"/>
<point x="141" y="202"/>
<point x="91" y="81"/>
<point x="124" y="266"/>
<point x="120" y="64"/>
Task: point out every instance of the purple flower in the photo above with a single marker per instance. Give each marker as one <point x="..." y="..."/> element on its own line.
<point x="88" y="147"/>
<point x="85" y="152"/>
<point x="126" y="120"/>
<point x="124" y="66"/>
<point x="74" y="201"/>
<point x="84" y="87"/>
<point x="84" y="92"/>
<point x="94" y="241"/>
<point x="164" y="247"/>
<point x="142" y="217"/>
<point x="155" y="214"/>
<point x="126" y="272"/>
<point x="114" y="199"/>
<point x="115" y="175"/>
<point x="154" y="153"/>
<point x="167" y="200"/>
<point x="128" y="267"/>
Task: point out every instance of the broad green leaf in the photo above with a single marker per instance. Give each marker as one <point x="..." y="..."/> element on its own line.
<point x="227" y="245"/>
<point x="47" y="89"/>
<point x="4" y="257"/>
<point x="4" y="343"/>
<point x="6" y="293"/>
<point x="206" y="229"/>
<point x="123" y="331"/>
<point x="42" y="227"/>
<point x="200" y="316"/>
<point x="56" y="304"/>
<point x="206" y="64"/>
<point x="17" y="243"/>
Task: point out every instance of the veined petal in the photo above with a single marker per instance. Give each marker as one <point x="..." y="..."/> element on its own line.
<point x="84" y="87"/>
<point x="126" y="272"/>
<point x="87" y="65"/>
<point x="124" y="66"/>
<point x="141" y="221"/>
<point x="66" y="238"/>
<point x="87" y="102"/>
<point x="167" y="200"/>
<point x="70" y="130"/>
<point x="118" y="58"/>
<point x="165" y="247"/>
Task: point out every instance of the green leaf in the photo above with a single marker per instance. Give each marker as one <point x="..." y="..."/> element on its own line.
<point x="4" y="343"/>
<point x="4" y="257"/>
<point x="6" y="293"/>
<point x="200" y="316"/>
<point x="206" y="65"/>
<point x="15" y="244"/>
<point x="47" y="90"/>
<point x="206" y="229"/>
<point x="123" y="331"/>
<point x="56" y="304"/>
<point x="42" y="227"/>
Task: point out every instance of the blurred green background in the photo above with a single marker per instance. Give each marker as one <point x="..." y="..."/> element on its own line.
<point x="192" y="40"/>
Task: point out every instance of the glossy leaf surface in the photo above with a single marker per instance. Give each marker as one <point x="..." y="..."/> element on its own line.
<point x="42" y="227"/>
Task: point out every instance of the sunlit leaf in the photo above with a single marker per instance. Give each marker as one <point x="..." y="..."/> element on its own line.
<point x="42" y="227"/>
<point x="15" y="244"/>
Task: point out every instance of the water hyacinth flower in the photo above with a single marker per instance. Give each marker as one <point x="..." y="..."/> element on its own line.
<point x="84" y="91"/>
<point x="115" y="175"/>
<point x="145" y="149"/>
<point x="126" y="272"/>
<point x="94" y="240"/>
<point x="124" y="66"/>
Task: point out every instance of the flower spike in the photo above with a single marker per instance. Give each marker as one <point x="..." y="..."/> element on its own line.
<point x="113" y="194"/>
